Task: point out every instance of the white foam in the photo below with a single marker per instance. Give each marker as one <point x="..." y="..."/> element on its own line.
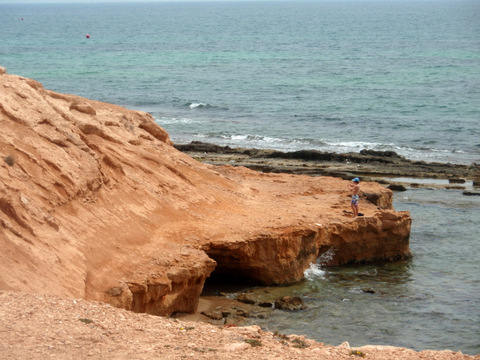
<point x="196" y="105"/>
<point x="174" y="120"/>
<point x="355" y="146"/>
<point x="238" y="137"/>
<point x="314" y="272"/>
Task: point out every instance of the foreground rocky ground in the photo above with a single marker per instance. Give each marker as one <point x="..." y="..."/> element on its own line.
<point x="48" y="327"/>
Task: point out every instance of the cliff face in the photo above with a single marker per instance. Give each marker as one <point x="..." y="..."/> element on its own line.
<point x="96" y="203"/>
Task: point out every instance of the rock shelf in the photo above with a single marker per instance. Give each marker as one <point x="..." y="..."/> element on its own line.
<point x="96" y="203"/>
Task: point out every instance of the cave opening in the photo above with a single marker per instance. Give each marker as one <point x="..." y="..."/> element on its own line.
<point x="226" y="282"/>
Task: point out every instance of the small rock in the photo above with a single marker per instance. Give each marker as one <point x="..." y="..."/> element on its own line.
<point x="471" y="193"/>
<point x="215" y="315"/>
<point x="397" y="187"/>
<point x="245" y="298"/>
<point x="266" y="304"/>
<point x="290" y="303"/>
<point x="242" y="313"/>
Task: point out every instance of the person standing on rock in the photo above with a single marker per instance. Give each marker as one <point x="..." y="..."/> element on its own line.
<point x="355" y="188"/>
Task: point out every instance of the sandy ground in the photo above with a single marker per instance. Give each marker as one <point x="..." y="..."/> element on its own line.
<point x="46" y="327"/>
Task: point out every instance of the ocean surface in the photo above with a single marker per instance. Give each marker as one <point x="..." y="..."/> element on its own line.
<point x="329" y="75"/>
<point x="429" y="302"/>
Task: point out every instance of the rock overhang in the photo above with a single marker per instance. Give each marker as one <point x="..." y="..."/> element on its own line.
<point x="98" y="204"/>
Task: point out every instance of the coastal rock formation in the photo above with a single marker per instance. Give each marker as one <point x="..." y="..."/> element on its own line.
<point x="367" y="163"/>
<point x="96" y="203"/>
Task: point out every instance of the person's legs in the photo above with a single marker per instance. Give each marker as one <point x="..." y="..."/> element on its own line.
<point x="354" y="204"/>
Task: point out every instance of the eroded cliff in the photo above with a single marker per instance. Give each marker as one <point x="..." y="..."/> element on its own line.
<point x="96" y="203"/>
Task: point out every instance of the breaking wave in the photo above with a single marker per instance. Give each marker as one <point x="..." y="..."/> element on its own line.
<point x="314" y="272"/>
<point x="195" y="105"/>
<point x="164" y="120"/>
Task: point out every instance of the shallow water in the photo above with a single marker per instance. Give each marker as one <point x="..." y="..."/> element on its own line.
<point x="429" y="302"/>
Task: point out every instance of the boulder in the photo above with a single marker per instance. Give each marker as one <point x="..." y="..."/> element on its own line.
<point x="397" y="187"/>
<point x="290" y="303"/>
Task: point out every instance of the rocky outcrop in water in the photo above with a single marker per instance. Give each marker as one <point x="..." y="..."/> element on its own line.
<point x="96" y="203"/>
<point x="367" y="163"/>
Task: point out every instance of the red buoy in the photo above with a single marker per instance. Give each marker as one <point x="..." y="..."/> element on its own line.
<point x="87" y="36"/>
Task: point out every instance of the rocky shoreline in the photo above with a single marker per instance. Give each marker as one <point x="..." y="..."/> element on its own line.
<point x="96" y="206"/>
<point x="239" y="307"/>
<point x="96" y="203"/>
<point x="385" y="167"/>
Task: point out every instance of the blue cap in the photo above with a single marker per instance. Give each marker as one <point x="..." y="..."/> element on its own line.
<point x="356" y="180"/>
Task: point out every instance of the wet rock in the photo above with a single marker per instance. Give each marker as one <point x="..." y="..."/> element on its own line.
<point x="316" y="163"/>
<point x="245" y="298"/>
<point x="215" y="315"/>
<point x="397" y="187"/>
<point x="234" y="320"/>
<point x="260" y="315"/>
<point x="243" y="313"/>
<point x="290" y="303"/>
<point x="266" y="304"/>
<point x="391" y="154"/>
<point x="471" y="193"/>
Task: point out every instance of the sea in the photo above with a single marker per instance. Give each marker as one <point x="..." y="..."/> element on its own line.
<point x="328" y="75"/>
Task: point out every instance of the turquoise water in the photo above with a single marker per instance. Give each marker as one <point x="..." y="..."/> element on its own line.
<point x="327" y="75"/>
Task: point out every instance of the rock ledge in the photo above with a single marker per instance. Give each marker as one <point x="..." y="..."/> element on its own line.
<point x="96" y="203"/>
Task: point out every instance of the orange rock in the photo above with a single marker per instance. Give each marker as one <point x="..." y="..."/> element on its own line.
<point x="96" y="203"/>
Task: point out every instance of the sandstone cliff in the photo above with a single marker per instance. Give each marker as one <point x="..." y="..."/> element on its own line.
<point x="96" y="203"/>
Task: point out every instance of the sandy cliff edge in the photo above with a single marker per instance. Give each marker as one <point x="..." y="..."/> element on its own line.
<point x="95" y="203"/>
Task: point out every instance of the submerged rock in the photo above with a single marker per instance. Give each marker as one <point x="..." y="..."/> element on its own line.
<point x="380" y="165"/>
<point x="290" y="303"/>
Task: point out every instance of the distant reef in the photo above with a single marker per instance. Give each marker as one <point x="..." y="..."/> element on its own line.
<point x="380" y="166"/>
